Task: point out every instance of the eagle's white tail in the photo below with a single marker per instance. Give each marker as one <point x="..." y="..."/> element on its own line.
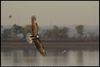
<point x="28" y="38"/>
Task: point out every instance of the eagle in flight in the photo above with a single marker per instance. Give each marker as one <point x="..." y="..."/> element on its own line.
<point x="34" y="37"/>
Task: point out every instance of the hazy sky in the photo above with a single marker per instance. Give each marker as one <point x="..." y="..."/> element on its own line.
<point x="50" y="12"/>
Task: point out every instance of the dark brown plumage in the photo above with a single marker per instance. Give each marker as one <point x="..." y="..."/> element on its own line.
<point x="39" y="45"/>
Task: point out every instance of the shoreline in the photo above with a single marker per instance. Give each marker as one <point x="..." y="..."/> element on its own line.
<point x="51" y="45"/>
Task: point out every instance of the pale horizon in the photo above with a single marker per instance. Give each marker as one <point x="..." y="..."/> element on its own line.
<point x="48" y="13"/>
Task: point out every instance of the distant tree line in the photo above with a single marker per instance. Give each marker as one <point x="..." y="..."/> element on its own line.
<point x="15" y="30"/>
<point x="56" y="33"/>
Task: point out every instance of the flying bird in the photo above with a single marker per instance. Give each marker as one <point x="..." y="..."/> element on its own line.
<point x="34" y="37"/>
<point x="10" y="16"/>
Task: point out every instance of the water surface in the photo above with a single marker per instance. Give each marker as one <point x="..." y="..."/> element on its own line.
<point x="55" y="57"/>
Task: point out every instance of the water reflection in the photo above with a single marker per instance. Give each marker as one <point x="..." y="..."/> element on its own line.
<point x="63" y="57"/>
<point x="80" y="57"/>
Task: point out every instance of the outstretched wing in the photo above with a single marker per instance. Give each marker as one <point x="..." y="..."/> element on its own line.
<point x="34" y="27"/>
<point x="40" y="47"/>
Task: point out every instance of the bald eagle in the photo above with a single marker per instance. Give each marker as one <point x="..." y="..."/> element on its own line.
<point x="34" y="37"/>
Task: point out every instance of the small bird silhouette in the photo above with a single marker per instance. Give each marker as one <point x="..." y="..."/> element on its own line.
<point x="10" y="16"/>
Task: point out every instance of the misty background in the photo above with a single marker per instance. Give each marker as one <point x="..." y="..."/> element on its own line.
<point x="56" y="19"/>
<point x="48" y="13"/>
<point x="69" y="31"/>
